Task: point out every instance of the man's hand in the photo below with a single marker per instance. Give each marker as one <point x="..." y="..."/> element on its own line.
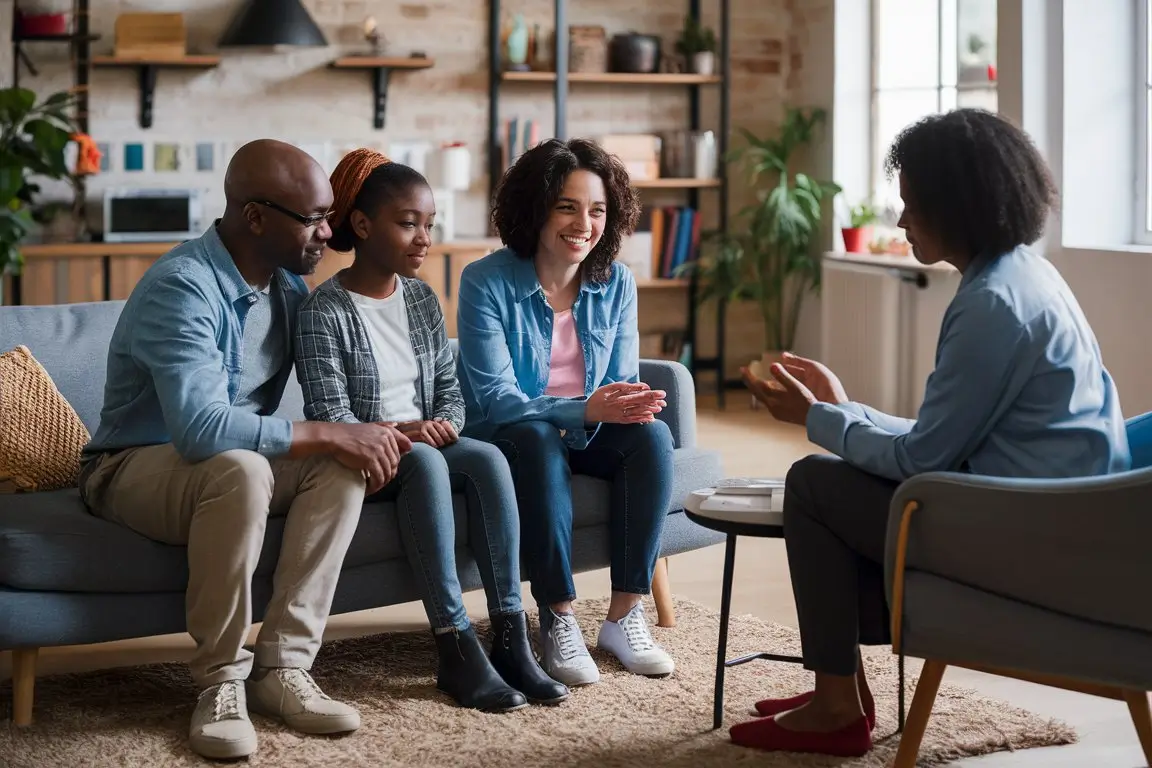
<point x="436" y="432"/>
<point x="624" y="403"/>
<point x="786" y="398"/>
<point x="375" y="449"/>
<point x="817" y="377"/>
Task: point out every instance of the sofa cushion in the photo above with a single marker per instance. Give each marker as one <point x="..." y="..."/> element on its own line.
<point x="49" y="541"/>
<point x="40" y="434"/>
<point x="71" y="342"/>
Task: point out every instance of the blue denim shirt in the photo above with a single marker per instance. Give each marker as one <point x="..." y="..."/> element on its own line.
<point x="176" y="354"/>
<point x="1019" y="389"/>
<point x="504" y="327"/>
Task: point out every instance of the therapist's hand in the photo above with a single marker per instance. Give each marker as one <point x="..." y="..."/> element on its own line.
<point x="786" y="398"/>
<point x="817" y="377"/>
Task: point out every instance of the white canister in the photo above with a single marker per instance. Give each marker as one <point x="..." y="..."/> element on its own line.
<point x="704" y="154"/>
<point x="455" y="167"/>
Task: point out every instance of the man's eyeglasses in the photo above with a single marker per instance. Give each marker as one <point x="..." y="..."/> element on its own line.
<point x="308" y="221"/>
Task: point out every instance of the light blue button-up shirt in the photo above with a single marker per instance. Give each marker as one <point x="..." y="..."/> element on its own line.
<point x="1019" y="389"/>
<point x="176" y="358"/>
<point x="504" y="328"/>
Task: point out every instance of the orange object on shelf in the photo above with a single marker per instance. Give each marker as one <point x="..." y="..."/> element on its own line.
<point x="88" y="155"/>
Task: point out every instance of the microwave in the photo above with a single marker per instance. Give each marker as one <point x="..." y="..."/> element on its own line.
<point x="140" y="215"/>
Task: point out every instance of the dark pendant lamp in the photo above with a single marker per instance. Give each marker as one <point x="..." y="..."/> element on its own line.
<point x="270" y="23"/>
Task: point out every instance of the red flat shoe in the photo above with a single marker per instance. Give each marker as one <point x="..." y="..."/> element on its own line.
<point x="770" y="707"/>
<point x="853" y="740"/>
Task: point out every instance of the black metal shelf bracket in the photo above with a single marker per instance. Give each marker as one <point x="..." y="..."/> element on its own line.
<point x="147" y="93"/>
<point x="380" y="78"/>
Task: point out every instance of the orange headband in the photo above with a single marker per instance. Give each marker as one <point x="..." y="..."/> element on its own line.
<point x="349" y="177"/>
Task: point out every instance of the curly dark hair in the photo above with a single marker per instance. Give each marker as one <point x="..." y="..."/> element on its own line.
<point x="529" y="189"/>
<point x="975" y="179"/>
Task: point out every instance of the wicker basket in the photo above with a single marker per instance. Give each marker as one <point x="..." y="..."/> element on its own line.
<point x="587" y="49"/>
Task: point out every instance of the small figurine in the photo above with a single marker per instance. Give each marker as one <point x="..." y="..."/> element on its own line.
<point x="373" y="36"/>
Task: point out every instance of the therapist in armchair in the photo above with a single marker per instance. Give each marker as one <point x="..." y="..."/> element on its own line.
<point x="1019" y="390"/>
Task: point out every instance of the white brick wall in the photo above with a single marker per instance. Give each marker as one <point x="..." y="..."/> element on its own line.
<point x="293" y="95"/>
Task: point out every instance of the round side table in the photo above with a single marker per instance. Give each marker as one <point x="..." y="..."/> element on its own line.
<point x="739" y="515"/>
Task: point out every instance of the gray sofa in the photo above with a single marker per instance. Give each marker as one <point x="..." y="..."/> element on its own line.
<point x="68" y="577"/>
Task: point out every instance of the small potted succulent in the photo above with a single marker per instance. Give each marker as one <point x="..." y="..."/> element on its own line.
<point x="859" y="230"/>
<point x="697" y="44"/>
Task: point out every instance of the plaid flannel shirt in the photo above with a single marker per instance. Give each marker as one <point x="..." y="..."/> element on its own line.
<point x="337" y="370"/>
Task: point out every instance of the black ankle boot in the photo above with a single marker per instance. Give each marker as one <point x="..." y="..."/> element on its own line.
<point x="466" y="674"/>
<point x="513" y="658"/>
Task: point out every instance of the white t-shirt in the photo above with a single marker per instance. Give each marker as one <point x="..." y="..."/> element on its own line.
<point x="386" y="321"/>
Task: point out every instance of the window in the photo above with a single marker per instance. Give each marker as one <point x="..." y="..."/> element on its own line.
<point x="929" y="56"/>
<point x="1143" y="218"/>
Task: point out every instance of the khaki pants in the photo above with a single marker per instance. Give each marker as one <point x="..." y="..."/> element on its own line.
<point x="219" y="508"/>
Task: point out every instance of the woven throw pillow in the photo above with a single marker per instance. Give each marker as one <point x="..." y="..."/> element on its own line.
<point x="40" y="434"/>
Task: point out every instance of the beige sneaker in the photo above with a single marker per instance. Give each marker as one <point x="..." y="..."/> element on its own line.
<point x="220" y="727"/>
<point x="292" y="695"/>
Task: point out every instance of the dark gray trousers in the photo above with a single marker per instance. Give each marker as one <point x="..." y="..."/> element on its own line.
<point x="835" y="523"/>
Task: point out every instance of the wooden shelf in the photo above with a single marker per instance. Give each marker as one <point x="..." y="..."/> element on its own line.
<point x="618" y="78"/>
<point x="673" y="183"/>
<point x="381" y="67"/>
<point x="191" y="61"/>
<point x="147" y="67"/>
<point x="386" y="62"/>
<point x="662" y="282"/>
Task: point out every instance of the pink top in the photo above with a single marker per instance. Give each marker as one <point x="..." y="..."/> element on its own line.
<point x="566" y="377"/>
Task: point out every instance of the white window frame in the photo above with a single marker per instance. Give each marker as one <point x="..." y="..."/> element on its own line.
<point x="947" y="86"/>
<point x="1142" y="218"/>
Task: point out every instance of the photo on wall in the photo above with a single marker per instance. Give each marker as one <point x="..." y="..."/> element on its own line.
<point x="166" y="157"/>
<point x="105" y="150"/>
<point x="205" y="156"/>
<point x="134" y="156"/>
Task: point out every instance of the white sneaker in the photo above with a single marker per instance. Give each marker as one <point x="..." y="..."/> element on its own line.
<point x="220" y="727"/>
<point x="292" y="695"/>
<point x="630" y="641"/>
<point x="566" y="658"/>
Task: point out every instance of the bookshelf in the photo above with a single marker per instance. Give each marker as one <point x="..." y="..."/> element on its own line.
<point x="562" y="80"/>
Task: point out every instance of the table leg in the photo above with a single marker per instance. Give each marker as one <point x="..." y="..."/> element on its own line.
<point x="722" y="646"/>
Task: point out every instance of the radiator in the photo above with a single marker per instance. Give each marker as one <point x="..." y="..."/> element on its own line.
<point x="879" y="327"/>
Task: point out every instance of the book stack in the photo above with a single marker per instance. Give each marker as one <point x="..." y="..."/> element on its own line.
<point x="666" y="238"/>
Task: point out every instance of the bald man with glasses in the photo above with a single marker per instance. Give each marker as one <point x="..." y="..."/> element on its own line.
<point x="188" y="451"/>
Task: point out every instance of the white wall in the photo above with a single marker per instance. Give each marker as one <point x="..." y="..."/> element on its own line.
<point x="1067" y="75"/>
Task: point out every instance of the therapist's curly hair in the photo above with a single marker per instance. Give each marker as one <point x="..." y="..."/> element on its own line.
<point x="529" y="189"/>
<point x="975" y="180"/>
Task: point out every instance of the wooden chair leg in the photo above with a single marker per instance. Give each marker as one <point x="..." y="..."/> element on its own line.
<point x="1141" y="718"/>
<point x="918" y="714"/>
<point x="23" y="683"/>
<point x="662" y="594"/>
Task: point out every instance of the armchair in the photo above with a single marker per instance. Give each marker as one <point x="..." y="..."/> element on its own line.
<point x="1040" y="580"/>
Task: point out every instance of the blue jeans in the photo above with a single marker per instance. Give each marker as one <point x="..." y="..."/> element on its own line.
<point x="635" y="458"/>
<point x="423" y="489"/>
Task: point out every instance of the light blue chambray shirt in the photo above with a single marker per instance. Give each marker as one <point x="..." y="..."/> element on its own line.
<point x="1019" y="389"/>
<point x="176" y="357"/>
<point x="504" y="329"/>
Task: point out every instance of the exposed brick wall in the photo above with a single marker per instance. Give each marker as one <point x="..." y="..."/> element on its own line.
<point x="293" y="95"/>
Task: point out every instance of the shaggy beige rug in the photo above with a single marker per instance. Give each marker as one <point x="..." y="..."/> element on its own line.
<point x="139" y="716"/>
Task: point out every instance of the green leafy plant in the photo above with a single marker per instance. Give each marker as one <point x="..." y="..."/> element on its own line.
<point x="767" y="254"/>
<point x="33" y="139"/>
<point x="862" y="215"/>
<point x="695" y="38"/>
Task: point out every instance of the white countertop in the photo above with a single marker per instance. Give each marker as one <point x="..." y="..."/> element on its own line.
<point x="888" y="261"/>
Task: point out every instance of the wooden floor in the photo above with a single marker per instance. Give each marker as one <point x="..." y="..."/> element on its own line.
<point x="751" y="442"/>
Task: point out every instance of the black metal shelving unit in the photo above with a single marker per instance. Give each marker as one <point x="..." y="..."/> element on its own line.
<point x="560" y="87"/>
<point x="80" y="41"/>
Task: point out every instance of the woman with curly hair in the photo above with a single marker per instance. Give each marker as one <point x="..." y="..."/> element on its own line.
<point x="550" y="367"/>
<point x="1019" y="390"/>
<point x="371" y="347"/>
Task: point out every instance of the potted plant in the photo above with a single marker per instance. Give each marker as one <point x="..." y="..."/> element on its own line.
<point x="859" y="230"/>
<point x="33" y="139"/>
<point x="768" y="256"/>
<point x="697" y="44"/>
